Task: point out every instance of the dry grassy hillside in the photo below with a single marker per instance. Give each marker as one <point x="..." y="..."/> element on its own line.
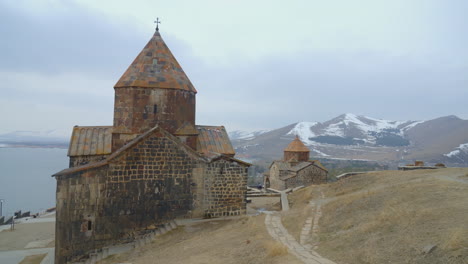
<point x="389" y="217"/>
<point x="241" y="240"/>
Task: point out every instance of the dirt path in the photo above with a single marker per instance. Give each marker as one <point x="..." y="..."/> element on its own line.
<point x="278" y="232"/>
<point x="308" y="236"/>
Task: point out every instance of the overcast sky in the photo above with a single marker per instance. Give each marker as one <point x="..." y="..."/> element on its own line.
<point x="255" y="64"/>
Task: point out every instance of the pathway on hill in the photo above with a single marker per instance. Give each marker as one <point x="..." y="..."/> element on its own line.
<point x="278" y="232"/>
<point x="309" y="237"/>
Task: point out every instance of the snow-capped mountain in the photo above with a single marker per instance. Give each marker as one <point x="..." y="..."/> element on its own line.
<point x="351" y="129"/>
<point x="244" y="135"/>
<point x="459" y="154"/>
<point x="351" y="136"/>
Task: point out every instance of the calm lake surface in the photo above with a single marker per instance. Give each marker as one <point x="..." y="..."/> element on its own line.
<point x="25" y="178"/>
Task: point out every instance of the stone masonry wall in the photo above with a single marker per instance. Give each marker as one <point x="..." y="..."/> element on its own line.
<point x="225" y="189"/>
<point x="307" y="176"/>
<point x="148" y="184"/>
<point x="275" y="181"/>
<point x="298" y="156"/>
<point x="138" y="109"/>
<point x="83" y="160"/>
<point x="79" y="197"/>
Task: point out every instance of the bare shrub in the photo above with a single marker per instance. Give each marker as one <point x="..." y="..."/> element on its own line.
<point x="275" y="248"/>
<point x="456" y="239"/>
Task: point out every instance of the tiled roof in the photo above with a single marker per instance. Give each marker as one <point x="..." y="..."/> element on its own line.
<point x="90" y="140"/>
<point x="214" y="139"/>
<point x="286" y="166"/>
<point x="319" y="164"/>
<point x="282" y="165"/>
<point x="155" y="67"/>
<point x="186" y="129"/>
<point x="128" y="147"/>
<point x="297" y="146"/>
<point x="140" y="138"/>
<point x="301" y="165"/>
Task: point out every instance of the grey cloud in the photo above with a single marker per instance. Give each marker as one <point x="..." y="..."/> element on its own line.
<point x="242" y="93"/>
<point x="77" y="40"/>
<point x="316" y="86"/>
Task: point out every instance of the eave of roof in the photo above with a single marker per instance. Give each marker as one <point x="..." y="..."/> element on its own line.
<point x="221" y="156"/>
<point x="286" y="166"/>
<point x="128" y="146"/>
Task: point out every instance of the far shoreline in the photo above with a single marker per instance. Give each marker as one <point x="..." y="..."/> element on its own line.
<point x="34" y="145"/>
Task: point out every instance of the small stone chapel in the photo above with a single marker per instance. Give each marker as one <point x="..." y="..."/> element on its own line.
<point x="295" y="169"/>
<point x="153" y="165"/>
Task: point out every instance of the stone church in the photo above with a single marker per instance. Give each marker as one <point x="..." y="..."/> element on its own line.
<point x="152" y="166"/>
<point x="295" y="169"/>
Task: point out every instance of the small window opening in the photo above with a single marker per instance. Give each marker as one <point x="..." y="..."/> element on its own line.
<point x="155" y="61"/>
<point x="155" y="109"/>
<point x="90" y="225"/>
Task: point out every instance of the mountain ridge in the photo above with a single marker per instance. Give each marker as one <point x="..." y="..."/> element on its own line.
<point x="350" y="136"/>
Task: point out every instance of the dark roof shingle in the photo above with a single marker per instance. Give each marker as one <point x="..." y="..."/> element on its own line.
<point x="214" y="139"/>
<point x="90" y="140"/>
<point x="156" y="67"/>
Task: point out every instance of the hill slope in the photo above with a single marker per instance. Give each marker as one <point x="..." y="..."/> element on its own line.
<point x="389" y="217"/>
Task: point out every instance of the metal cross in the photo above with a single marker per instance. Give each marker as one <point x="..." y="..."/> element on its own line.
<point x="157" y="22"/>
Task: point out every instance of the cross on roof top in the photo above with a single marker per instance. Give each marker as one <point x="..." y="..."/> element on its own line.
<point x="157" y="22"/>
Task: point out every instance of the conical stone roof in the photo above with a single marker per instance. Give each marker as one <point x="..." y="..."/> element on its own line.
<point x="297" y="146"/>
<point x="155" y="67"/>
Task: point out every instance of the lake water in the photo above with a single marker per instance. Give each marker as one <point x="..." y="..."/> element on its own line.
<point x="25" y="178"/>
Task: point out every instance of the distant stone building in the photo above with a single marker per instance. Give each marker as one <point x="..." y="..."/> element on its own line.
<point x="152" y="166"/>
<point x="295" y="169"/>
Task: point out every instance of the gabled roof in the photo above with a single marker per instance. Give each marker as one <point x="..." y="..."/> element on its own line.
<point x="90" y="140"/>
<point x="129" y="146"/>
<point x="230" y="159"/>
<point x="186" y="129"/>
<point x="297" y="146"/>
<point x="214" y="139"/>
<point x="287" y="166"/>
<point x="155" y="67"/>
<point x="301" y="165"/>
<point x="319" y="164"/>
<point x="282" y="165"/>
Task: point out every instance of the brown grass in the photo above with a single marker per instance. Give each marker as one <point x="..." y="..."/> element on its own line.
<point x="395" y="216"/>
<point x="243" y="240"/>
<point x="275" y="248"/>
<point x="456" y="239"/>
<point x="389" y="217"/>
<point x="33" y="259"/>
